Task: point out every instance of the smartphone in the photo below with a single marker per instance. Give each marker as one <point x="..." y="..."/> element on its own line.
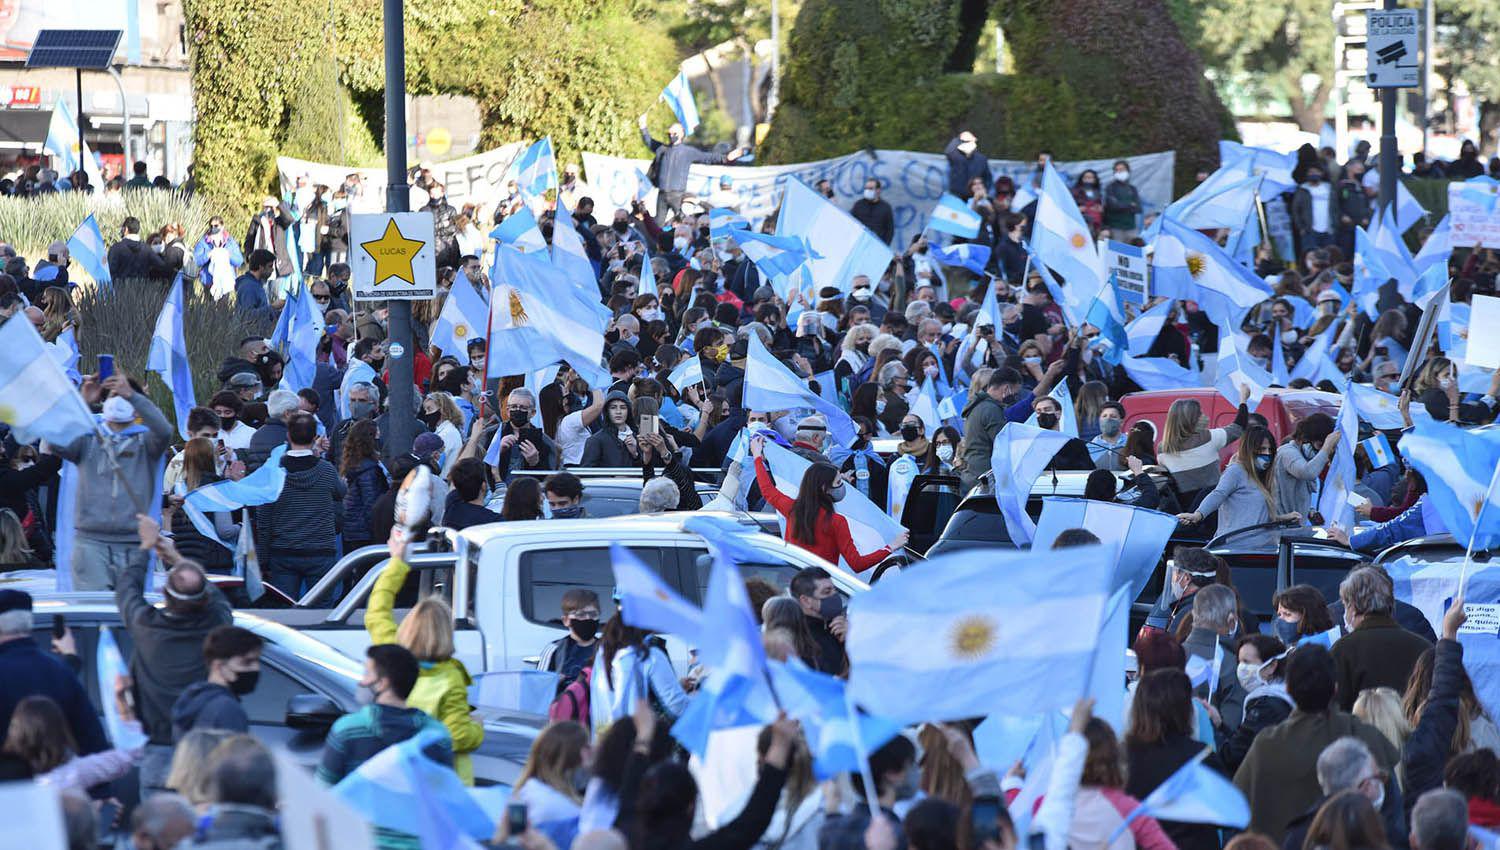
<point x="106" y="365"/>
<point x="984" y="820"/>
<point x="515" y="819"/>
<point x="649" y="424"/>
<point x="59" y="626"/>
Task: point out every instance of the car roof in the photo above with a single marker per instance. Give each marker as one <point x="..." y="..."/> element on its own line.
<point x="670" y="522"/>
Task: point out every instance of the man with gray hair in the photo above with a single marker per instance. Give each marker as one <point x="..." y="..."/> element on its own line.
<point x="27" y="671"/>
<point x="811" y="438"/>
<point x="1375" y="651"/>
<point x="161" y="822"/>
<point x="891" y="405"/>
<point x="1347" y="765"/>
<point x="1440" y="821"/>
<point x="279" y="405"/>
<point x="1215" y="619"/>
<point x="243" y="812"/>
<point x="659" y="495"/>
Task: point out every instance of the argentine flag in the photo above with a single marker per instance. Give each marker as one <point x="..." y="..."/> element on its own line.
<point x="1159" y="373"/>
<point x="1061" y="239"/>
<point x="36" y="397"/>
<point x="836" y="732"/>
<point x="969" y="255"/>
<point x="536" y="319"/>
<point x="123" y="734"/>
<point x="679" y="96"/>
<point x="769" y="385"/>
<point x="260" y="487"/>
<point x="1274" y="168"/>
<point x="1378" y="450"/>
<point x="1190" y="266"/>
<point x="773" y="255"/>
<point x="721" y="220"/>
<point x="86" y="245"/>
<point x="464" y="317"/>
<point x="846" y="249"/>
<point x="1338" y="483"/>
<point x="62" y="142"/>
<point x="535" y="168"/>
<point x="1225" y="199"/>
<point x="1409" y="210"/>
<point x="647" y="602"/>
<point x="1431" y="263"/>
<point x="977" y="634"/>
<point x="1388" y="245"/>
<point x="1020" y="454"/>
<point x="1377" y="408"/>
<point x="1194" y="794"/>
<point x="1460" y="467"/>
<point x="401" y="788"/>
<point x="688" y="373"/>
<point x="168" y="357"/>
<point x="1236" y="369"/>
<point x="1145" y="328"/>
<point x="519" y="230"/>
<point x="951" y="215"/>
<point x="869" y="526"/>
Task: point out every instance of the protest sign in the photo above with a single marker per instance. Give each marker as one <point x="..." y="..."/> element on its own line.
<point x="912" y="182"/>
<point x="1128" y="264"/>
<point x="1474" y="213"/>
<point x="1484" y="349"/>
<point x="477" y="179"/>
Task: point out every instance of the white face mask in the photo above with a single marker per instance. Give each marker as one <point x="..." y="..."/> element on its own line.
<point x="680" y="243"/>
<point x="1122" y="176"/>
<point x="945" y="453"/>
<point x="869" y="194"/>
<point x="1445" y="383"/>
<point x="1249" y="675"/>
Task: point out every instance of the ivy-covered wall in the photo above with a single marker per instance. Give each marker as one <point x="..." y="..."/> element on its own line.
<point x="1093" y="78"/>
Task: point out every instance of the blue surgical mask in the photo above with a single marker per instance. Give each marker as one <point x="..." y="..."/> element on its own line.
<point x="1286" y="631"/>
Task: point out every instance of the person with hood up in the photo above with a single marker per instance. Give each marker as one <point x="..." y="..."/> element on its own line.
<point x="233" y="658"/>
<point x="120" y="466"/>
<point x="614" y="444"/>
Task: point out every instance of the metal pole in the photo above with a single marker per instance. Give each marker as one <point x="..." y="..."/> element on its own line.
<point x="78" y="81"/>
<point x="124" y="118"/>
<point x="775" y="60"/>
<point x="398" y="200"/>
<point x="1429" y="24"/>
<point x="1389" y="157"/>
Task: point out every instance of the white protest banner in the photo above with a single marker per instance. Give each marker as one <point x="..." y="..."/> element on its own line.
<point x="1483" y="619"/>
<point x="1474" y="213"/>
<point x="1484" y="349"/>
<point x="1128" y="263"/>
<point x="477" y="179"/>
<point x="912" y="182"/>
<point x="311" y="818"/>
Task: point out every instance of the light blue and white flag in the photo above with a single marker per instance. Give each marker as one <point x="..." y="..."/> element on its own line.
<point x="537" y="318"/>
<point x="721" y="220"/>
<point x="36" y="397"/>
<point x="647" y="285"/>
<point x="64" y="350"/>
<point x="1236" y="369"/>
<point x="969" y="255"/>
<point x="1224" y="200"/>
<point x="87" y="247"/>
<point x="110" y="666"/>
<point x="304" y="330"/>
<point x="845" y="248"/>
<point x="520" y="230"/>
<point x="1338" y="484"/>
<point x="1280" y="375"/>
<point x="922" y="403"/>
<point x="464" y="316"/>
<point x="989" y="309"/>
<point x="1409" y="210"/>
<point x="688" y="373"/>
<point x="1431" y="262"/>
<point x="1112" y="342"/>
<point x="1370" y="272"/>
<point x="819" y="702"/>
<point x="869" y="526"/>
<point x="1159" y="373"/>
<point x="1387" y="243"/>
<point x="572" y="259"/>
<point x="770" y="386"/>
<point x="1194" y="794"/>
<point x="1062" y="240"/>
<point x="1377" y="408"/>
<point x="1189" y="266"/>
<point x="63" y="143"/>
<point x="260" y="487"/>
<point x="168" y="357"/>
<point x="976" y="634"/>
<point x="1378" y="451"/>
<point x="535" y="169"/>
<point x="951" y="215"/>
<point x="1020" y="454"/>
<point x="679" y="96"/>
<point x="1275" y="168"/>
<point x="1145" y="328"/>
<point x="647" y="602"/>
<point x="402" y="789"/>
<point x="1460" y="468"/>
<point x="1317" y="363"/>
<point x="773" y="255"/>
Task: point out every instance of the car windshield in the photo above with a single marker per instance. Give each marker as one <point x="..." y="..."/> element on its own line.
<point x="305" y="648"/>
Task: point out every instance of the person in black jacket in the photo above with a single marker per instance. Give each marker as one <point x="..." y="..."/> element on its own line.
<point x="615" y="443"/>
<point x="1267" y="702"/>
<point x="1429" y="744"/>
<point x="669" y="167"/>
<point x="131" y="258"/>
<point x="874" y="212"/>
<point x="296" y="535"/>
<point x="658" y="801"/>
<point x="1075" y="453"/>
<point x="364" y="476"/>
<point x="965" y="162"/>
<point x="1159" y="741"/>
<point x="232" y="655"/>
<point x="25" y="670"/>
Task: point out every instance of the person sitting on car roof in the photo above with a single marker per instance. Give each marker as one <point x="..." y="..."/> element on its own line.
<point x="1190" y="449"/>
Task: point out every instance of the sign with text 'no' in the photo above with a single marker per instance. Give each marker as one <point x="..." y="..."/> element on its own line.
<point x="391" y="256"/>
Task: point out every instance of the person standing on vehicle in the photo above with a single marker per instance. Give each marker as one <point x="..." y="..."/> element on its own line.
<point x="442" y="689"/>
<point x="1246" y="495"/>
<point x="670" y="162"/>
<point x="166" y="643"/>
<point x="570" y="654"/>
<point x="812" y="521"/>
<point x="233" y="658"/>
<point x="1107" y="448"/>
<point x="391" y="672"/>
<point x="1189" y="449"/>
<point x="25" y="671"/>
<point x="297" y="535"/>
<point x="986" y="413"/>
<point x="1300" y="462"/>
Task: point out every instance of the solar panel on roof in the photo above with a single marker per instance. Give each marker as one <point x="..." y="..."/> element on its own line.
<point x="87" y="49"/>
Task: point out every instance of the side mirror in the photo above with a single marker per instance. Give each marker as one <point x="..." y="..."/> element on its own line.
<point x="311" y="711"/>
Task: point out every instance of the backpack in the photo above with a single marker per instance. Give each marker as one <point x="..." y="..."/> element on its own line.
<point x="573" y="702"/>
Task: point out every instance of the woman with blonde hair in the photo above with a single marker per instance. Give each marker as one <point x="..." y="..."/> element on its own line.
<point x="57" y="307"/>
<point x="442" y="689"/>
<point x="1381" y="708"/>
<point x="553" y="780"/>
<point x="15" y="552"/>
<point x="189" y="775"/>
<point x="1246" y="495"/>
<point x="1189" y="448"/>
<point x="199" y="469"/>
<point x="441" y="415"/>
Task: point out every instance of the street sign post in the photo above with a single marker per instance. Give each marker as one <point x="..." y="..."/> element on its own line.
<point x="1393" y="46"/>
<point x="391" y="256"/>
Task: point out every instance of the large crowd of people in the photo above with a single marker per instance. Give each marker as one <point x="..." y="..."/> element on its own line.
<point x="1378" y="742"/>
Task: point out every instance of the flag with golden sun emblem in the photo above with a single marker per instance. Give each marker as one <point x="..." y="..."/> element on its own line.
<point x="979" y="632"/>
<point x="1461" y="468"/>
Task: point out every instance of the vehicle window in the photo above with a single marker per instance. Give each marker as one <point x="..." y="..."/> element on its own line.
<point x="86" y="639"/>
<point x="1255" y="584"/>
<point x="609" y="504"/>
<point x="930" y="508"/>
<point x="267" y="703"/>
<point x="546" y="574"/>
<point x="699" y="567"/>
<point x="1322" y="568"/>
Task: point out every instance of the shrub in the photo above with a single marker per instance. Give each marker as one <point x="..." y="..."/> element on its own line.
<point x="31" y="224"/>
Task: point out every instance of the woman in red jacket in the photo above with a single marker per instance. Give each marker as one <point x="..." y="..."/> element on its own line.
<point x="810" y="519"/>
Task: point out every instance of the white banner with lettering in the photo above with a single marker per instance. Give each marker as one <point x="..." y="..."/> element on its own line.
<point x="912" y="182"/>
<point x="477" y="179"/>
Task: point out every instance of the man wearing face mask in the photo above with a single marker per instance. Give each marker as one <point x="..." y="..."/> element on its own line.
<point x="893" y="766"/>
<point x="1215" y="623"/>
<point x="1348" y="765"/>
<point x="1074" y="454"/>
<point x="570" y="654"/>
<point x="1002" y="401"/>
<point x="391" y="672"/>
<point x="443" y="227"/>
<point x="965" y="162"/>
<point x="874" y="212"/>
<point x="1314" y="212"/>
<point x="1107" y="448"/>
<point x="669" y="167"/>
<point x="232" y="655"/>
<point x="1122" y="204"/>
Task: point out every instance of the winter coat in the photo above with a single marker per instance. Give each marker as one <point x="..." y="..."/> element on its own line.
<point x="264" y="441"/>
<point x="227" y="827"/>
<point x="205" y="705"/>
<point x="1151" y="765"/>
<point x="167" y="648"/>
<point x="1430" y="744"/>
<point x="442" y="687"/>
<point x="104" y="511"/>
<point x="1297" y="478"/>
<point x="1377" y="653"/>
<point x="308" y="515"/>
<point x="1228" y="694"/>
<point x="25" y="671"/>
<point x="214" y="556"/>
<point x="983" y="419"/>
<point x="1265" y="707"/>
<point x="365" y="485"/>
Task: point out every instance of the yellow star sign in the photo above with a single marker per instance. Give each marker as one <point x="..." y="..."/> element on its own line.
<point x="393" y="254"/>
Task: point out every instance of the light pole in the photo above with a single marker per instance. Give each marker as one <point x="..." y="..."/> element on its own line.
<point x="399" y="355"/>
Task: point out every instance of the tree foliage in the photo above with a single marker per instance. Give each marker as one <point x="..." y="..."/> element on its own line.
<point x="1094" y="78"/>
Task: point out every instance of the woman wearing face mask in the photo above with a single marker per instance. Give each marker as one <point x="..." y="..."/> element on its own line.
<point x="943" y="453"/>
<point x="1090" y="199"/>
<point x="1300" y="462"/>
<point x="1030" y="365"/>
<point x="199" y="469"/>
<point x="441" y="415"/>
<point x="57" y="307"/>
<point x="553" y="780"/>
<point x="1160" y="740"/>
<point x="854" y="357"/>
<point x="1266" y="702"/>
<point x="1301" y="611"/>
<point x="1246" y="495"/>
<point x="614" y="445"/>
<point x="811" y="521"/>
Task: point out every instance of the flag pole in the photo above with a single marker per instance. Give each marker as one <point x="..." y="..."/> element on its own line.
<point x="1489" y="492"/>
<point x="867" y="779"/>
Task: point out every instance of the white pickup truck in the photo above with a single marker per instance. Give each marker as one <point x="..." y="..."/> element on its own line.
<point x="505" y="581"/>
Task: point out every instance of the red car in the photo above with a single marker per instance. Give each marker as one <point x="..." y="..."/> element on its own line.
<point x="1282" y="408"/>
